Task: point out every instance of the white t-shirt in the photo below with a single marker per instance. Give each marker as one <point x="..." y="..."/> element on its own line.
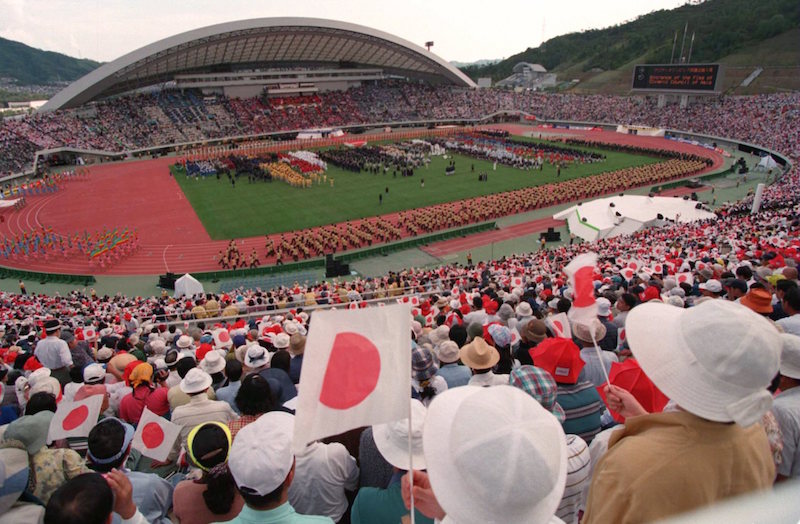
<point x="322" y="474"/>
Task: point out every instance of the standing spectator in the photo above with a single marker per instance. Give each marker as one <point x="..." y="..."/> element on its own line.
<point x="54" y="353"/>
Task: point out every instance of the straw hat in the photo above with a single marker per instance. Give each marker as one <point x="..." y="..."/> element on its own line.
<point x="479" y="355"/>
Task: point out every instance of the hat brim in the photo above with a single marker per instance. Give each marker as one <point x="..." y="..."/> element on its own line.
<point x="443" y="472"/>
<point x="397" y="456"/>
<point x="197" y="388"/>
<point x="654" y="335"/>
<point x="219" y="366"/>
<point x="758" y="308"/>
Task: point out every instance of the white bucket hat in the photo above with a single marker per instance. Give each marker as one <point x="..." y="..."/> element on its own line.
<point x="256" y="356"/>
<point x="184" y="342"/>
<point x="392" y="439"/>
<point x="468" y="429"/>
<point x="790" y="356"/>
<point x="195" y="381"/>
<point x="524" y="309"/>
<point x="212" y="362"/>
<point x="714" y="360"/>
<point x="281" y="341"/>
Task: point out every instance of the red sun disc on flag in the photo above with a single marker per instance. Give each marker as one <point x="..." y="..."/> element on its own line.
<point x="353" y="370"/>
<point x="75" y="418"/>
<point x="224" y="336"/>
<point x="682" y="278"/>
<point x="152" y="435"/>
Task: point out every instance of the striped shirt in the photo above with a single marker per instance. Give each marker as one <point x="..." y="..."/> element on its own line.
<point x="579" y="471"/>
<point x="582" y="407"/>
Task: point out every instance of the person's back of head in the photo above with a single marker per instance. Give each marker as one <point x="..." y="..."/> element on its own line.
<point x="233" y="370"/>
<point x="85" y="499"/>
<point x="281" y="359"/>
<point x="108" y="444"/>
<point x="563" y="305"/>
<point x="42" y="401"/>
<point x="458" y="334"/>
<point x="744" y="272"/>
<point x="477" y="303"/>
<point x="184" y="365"/>
<point x="791" y="301"/>
<point x="785" y="285"/>
<point x="254" y="396"/>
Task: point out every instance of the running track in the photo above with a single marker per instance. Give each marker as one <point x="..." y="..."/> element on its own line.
<point x="142" y="195"/>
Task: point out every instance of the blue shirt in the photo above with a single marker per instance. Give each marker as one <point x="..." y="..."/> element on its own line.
<point x="283" y="514"/>
<point x="152" y="495"/>
<point x="455" y="375"/>
<point x="228" y="394"/>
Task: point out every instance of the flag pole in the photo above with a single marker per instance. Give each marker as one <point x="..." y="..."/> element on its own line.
<point x="599" y="356"/>
<point x="411" y="460"/>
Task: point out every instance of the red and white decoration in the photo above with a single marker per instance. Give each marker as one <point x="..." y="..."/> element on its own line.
<point x="155" y="436"/>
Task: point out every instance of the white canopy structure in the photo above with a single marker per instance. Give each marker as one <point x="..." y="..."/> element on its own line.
<point x="767" y="163"/>
<point x="626" y="214"/>
<point x="187" y="286"/>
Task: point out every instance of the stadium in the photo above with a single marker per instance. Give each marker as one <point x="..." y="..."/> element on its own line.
<point x="291" y="166"/>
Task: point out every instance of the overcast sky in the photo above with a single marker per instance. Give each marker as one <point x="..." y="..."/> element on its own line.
<point x="465" y="30"/>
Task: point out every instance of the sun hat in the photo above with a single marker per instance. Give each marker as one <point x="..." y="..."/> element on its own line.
<point x="583" y="332"/>
<point x="31" y="430"/>
<point x="494" y="455"/>
<point x="212" y="363"/>
<point x="171" y="358"/>
<point x="447" y="352"/>
<point x="281" y="341"/>
<point x="392" y="439"/>
<point x="478" y="354"/>
<point x="560" y="357"/>
<point x="500" y="334"/>
<point x="712" y="285"/>
<point x="14" y="474"/>
<point x="38" y="376"/>
<point x="195" y="381"/>
<point x="714" y="360"/>
<point x="539" y="384"/>
<point x="208" y="444"/>
<point x="422" y="365"/>
<point x="603" y="307"/>
<point x="256" y="356"/>
<point x="439" y="335"/>
<point x="535" y="330"/>
<point x="524" y="309"/>
<point x="158" y="346"/>
<point x="790" y="356"/>
<point x="297" y="344"/>
<point x="94" y="374"/>
<point x="159" y="364"/>
<point x="129" y="432"/>
<point x="759" y="300"/>
<point x="184" y="342"/>
<point x="261" y="455"/>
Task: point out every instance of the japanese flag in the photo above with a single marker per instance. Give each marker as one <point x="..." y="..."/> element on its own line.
<point x="685" y="277"/>
<point x="581" y="272"/>
<point x="352" y="305"/>
<point x="516" y="282"/>
<point x="155" y="436"/>
<point x="621" y="339"/>
<point x="559" y="325"/>
<point x="222" y="339"/>
<point x="627" y="273"/>
<point x="75" y="419"/>
<point x="356" y="372"/>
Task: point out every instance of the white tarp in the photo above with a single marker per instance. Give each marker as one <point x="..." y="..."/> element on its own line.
<point x="188" y="286"/>
<point x="623" y="215"/>
<point x="767" y="163"/>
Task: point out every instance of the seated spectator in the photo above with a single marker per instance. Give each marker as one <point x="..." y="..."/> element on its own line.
<point x="227" y="393"/>
<point x="90" y="498"/>
<point x="595" y="370"/>
<point x="263" y="467"/>
<point x="253" y="400"/>
<point x="175" y="395"/>
<point x="450" y="370"/>
<point x="714" y="361"/>
<point x="424" y="379"/>
<point x="109" y="448"/>
<point x="200" y="408"/>
<point x="480" y="357"/>
<point x="212" y="497"/>
<point x="145" y="394"/>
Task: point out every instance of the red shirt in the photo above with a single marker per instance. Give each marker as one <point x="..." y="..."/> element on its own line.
<point x="133" y="404"/>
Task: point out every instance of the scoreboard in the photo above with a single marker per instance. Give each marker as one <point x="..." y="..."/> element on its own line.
<point x="677" y="78"/>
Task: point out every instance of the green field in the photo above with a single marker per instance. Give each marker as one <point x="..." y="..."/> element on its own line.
<point x="271" y="207"/>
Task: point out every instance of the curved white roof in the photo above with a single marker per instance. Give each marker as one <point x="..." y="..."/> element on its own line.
<point x="289" y="42"/>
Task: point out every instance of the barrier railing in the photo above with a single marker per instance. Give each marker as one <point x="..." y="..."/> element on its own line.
<point x="59" y="278"/>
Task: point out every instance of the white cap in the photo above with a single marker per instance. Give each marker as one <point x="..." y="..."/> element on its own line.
<point x="184" y="342"/>
<point x="392" y="439"/>
<point x="195" y="381"/>
<point x="494" y="455"/>
<point x="790" y="356"/>
<point x="712" y="285"/>
<point x="715" y="360"/>
<point x="261" y="455"/>
<point x="281" y="341"/>
<point x="603" y="307"/>
<point x="94" y="373"/>
<point x="158" y="346"/>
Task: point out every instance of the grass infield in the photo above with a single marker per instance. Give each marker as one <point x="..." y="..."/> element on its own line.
<point x="262" y="208"/>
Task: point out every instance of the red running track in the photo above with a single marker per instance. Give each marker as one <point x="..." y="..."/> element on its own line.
<point x="142" y="195"/>
<point x="488" y="237"/>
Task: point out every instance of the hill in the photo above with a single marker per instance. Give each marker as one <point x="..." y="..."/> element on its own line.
<point x="723" y="28"/>
<point x="30" y="66"/>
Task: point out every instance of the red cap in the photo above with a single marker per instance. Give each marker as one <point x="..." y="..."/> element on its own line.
<point x="32" y="364"/>
<point x="560" y="357"/>
<point x="650" y="293"/>
<point x="202" y="350"/>
<point x="629" y="376"/>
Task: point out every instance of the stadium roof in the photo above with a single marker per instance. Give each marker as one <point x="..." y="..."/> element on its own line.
<point x="256" y="43"/>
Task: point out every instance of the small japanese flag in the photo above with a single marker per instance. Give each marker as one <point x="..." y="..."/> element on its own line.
<point x="415" y="301"/>
<point x="222" y="339"/>
<point x="559" y="325"/>
<point x="621" y="338"/>
<point x="627" y="273"/>
<point x="684" y="277"/>
<point x="155" y="436"/>
<point x="75" y="419"/>
<point x="352" y="305"/>
<point x="516" y="282"/>
<point x="581" y="278"/>
<point x="357" y="371"/>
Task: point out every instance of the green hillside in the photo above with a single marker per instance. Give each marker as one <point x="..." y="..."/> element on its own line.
<point x="723" y="28"/>
<point x="34" y="66"/>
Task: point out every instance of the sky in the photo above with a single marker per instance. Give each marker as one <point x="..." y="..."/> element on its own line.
<point x="466" y="30"/>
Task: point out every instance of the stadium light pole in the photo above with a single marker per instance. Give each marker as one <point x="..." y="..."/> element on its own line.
<point x="429" y="44"/>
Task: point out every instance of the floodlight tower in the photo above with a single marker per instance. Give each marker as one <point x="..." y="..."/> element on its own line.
<point x="429" y="44"/>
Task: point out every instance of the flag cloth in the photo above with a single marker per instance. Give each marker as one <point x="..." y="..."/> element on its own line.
<point x="559" y="325"/>
<point x="155" y="436"/>
<point x="356" y="371"/>
<point x="75" y="419"/>
<point x="581" y="278"/>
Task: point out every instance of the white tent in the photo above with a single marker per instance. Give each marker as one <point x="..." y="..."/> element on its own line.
<point x="622" y="215"/>
<point x="188" y="286"/>
<point x="767" y="163"/>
